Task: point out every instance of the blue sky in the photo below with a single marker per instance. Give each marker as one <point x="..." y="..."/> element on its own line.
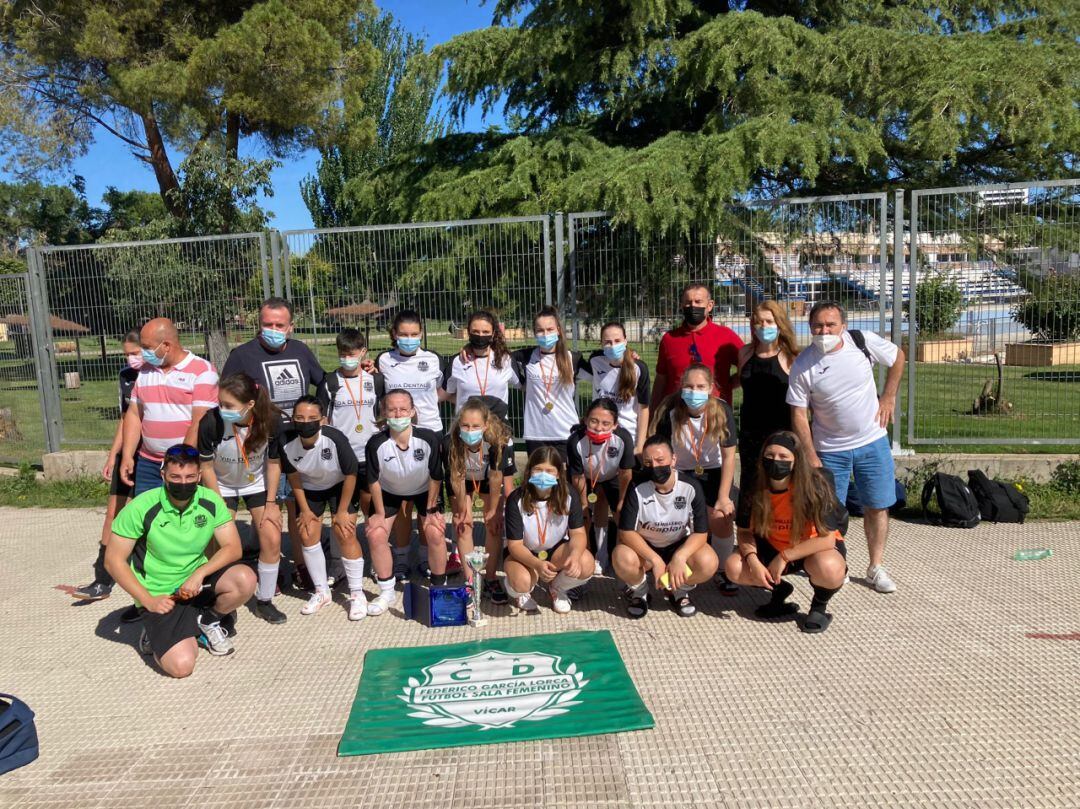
<point x="109" y="163"/>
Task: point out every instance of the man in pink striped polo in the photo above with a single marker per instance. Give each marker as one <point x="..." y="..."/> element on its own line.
<point x="173" y="390"/>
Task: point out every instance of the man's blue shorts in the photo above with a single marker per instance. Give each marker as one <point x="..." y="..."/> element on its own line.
<point x="875" y="474"/>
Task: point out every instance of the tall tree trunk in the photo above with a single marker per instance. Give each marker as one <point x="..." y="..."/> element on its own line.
<point x="168" y="185"/>
<point x="232" y="134"/>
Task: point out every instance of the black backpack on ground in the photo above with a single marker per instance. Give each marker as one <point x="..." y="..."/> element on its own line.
<point x="956" y="504"/>
<point x="998" y="502"/>
<point x="18" y="735"/>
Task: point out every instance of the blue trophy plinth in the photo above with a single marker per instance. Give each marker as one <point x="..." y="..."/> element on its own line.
<point x="436" y="606"/>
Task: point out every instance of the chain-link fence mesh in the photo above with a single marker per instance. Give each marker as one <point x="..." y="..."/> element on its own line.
<point x="996" y="315"/>
<point x="22" y="435"/>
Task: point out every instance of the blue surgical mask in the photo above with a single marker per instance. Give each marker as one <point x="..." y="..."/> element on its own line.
<point x="471" y="437"/>
<point x="546" y="341"/>
<point x="766" y="334"/>
<point x="151" y="357"/>
<point x="408" y="345"/>
<point x="694" y="398"/>
<point x="232" y="416"/>
<point x="349" y="363"/>
<point x="543" y="481"/>
<point x="400" y="425"/>
<point x="615" y="352"/>
<point x="273" y="338"/>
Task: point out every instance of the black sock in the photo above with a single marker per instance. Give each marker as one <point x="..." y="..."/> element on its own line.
<point x="213" y="614"/>
<point x="101" y="575"/>
<point x="438" y="579"/>
<point x="781" y="591"/>
<point x="821" y="597"/>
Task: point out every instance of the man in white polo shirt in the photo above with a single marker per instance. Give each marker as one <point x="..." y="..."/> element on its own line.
<point x="173" y="390"/>
<point x="834" y="379"/>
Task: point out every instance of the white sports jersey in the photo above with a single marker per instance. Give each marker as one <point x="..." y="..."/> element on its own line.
<point x="404" y="472"/>
<point x="321" y="466"/>
<point x="343" y="397"/>
<point x="664" y="519"/>
<point x="550" y="405"/>
<point x="237" y="466"/>
<point x="599" y="462"/>
<point x="693" y="450"/>
<point x="605" y="382"/>
<point x="481" y="377"/>
<point x="421" y="374"/>
<point x="542" y="530"/>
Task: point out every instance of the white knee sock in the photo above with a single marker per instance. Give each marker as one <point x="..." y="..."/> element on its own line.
<point x="603" y="554"/>
<point x="267" y="580"/>
<point x="564" y="582"/>
<point x="354" y="572"/>
<point x="641" y="589"/>
<point x="315" y="561"/>
<point x="512" y="592"/>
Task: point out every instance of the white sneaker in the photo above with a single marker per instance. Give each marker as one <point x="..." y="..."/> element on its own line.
<point x="214" y="638"/>
<point x="358" y="607"/>
<point x="878" y="578"/>
<point x="527" y="603"/>
<point x="560" y="603"/>
<point x="318" y="600"/>
<point x="598" y="569"/>
<point x="382" y="602"/>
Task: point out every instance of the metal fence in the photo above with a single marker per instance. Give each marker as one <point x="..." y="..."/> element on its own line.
<point x="996" y="322"/>
<point x="1006" y="259"/>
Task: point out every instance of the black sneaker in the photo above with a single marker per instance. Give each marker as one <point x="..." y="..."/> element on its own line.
<point x="269" y="613"/>
<point x="726" y="587"/>
<point x="92" y="592"/>
<point x="228" y="623"/>
<point x="130" y="615"/>
<point x="494" y="590"/>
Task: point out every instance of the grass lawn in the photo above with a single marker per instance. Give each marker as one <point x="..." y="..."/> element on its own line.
<point x="1046" y="400"/>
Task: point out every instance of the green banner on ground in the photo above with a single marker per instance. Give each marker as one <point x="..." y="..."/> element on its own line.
<point x="490" y="691"/>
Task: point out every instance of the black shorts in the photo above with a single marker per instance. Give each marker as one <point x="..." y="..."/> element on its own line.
<point x="392" y="503"/>
<point x="361" y="479"/>
<point x="256" y="500"/>
<point x="318" y="501"/>
<point x="116" y="485"/>
<point x="181" y="623"/>
<point x="710" y="485"/>
<point x="473" y="488"/>
<point x="766" y="553"/>
<point x="610" y="488"/>
<point x="667" y="552"/>
<point x="531" y="446"/>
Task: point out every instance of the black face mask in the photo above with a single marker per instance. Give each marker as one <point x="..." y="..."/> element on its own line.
<point x="776" y="470"/>
<point x="480" y="341"/>
<point x="181" y="492"/>
<point x="693" y="315"/>
<point x="659" y="474"/>
<point x="307" y="429"/>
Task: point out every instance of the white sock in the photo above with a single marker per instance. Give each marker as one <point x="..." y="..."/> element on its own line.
<point x="315" y="561"/>
<point x="354" y="572"/>
<point x="686" y="588"/>
<point x="267" y="580"/>
<point x="563" y="583"/>
<point x="386" y="588"/>
<point x="641" y="589"/>
<point x="510" y="591"/>
<point x="602" y="554"/>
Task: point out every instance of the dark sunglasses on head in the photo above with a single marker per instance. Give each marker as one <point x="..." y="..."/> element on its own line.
<point x="181" y="451"/>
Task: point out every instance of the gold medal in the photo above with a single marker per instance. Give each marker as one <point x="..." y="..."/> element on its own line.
<point x="548" y="407"/>
<point x="251" y="478"/>
<point x="699" y="470"/>
<point x="542" y="556"/>
<point x="592" y="498"/>
<point x="359" y="428"/>
<point x="478" y="502"/>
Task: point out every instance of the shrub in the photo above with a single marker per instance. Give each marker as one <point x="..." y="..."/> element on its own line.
<point x="1066" y="477"/>
<point x="1051" y="310"/>
<point x="938" y="305"/>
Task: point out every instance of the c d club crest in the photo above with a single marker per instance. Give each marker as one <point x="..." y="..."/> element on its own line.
<point x="493" y="689"/>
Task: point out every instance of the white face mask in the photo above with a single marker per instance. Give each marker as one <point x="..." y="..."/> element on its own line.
<point x="826" y="342"/>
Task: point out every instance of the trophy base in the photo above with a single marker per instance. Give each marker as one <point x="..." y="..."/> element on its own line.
<point x="478" y="621"/>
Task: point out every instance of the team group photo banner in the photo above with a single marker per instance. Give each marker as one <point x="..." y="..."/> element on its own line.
<point x="491" y="691"/>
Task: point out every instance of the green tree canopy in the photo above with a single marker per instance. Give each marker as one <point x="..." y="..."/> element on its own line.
<point x="183" y="74"/>
<point x="663" y="110"/>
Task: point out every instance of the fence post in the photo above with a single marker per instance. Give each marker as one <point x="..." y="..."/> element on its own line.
<point x="897" y="334"/>
<point x="275" y="260"/>
<point x="913" y="263"/>
<point x="559" y="257"/>
<point x="262" y="265"/>
<point x="41" y="337"/>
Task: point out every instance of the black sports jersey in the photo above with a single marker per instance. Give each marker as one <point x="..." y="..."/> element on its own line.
<point x="128" y="376"/>
<point x="550" y="405"/>
<point x="225" y="445"/>
<point x="343" y="397"/>
<point x="599" y="462"/>
<point x="405" y="472"/>
<point x="321" y="466"/>
<point x="605" y="382"/>
<point x="481" y="377"/>
<point x="690" y="439"/>
<point x="542" y="530"/>
<point x="664" y="519"/>
<point x="480" y="464"/>
<point x="421" y="374"/>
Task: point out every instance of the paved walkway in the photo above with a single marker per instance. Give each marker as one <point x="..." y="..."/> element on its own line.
<point x="934" y="696"/>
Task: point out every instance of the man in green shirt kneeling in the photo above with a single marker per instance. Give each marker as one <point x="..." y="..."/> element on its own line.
<point x="157" y="553"/>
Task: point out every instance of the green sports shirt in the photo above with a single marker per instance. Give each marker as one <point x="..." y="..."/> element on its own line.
<point x="169" y="544"/>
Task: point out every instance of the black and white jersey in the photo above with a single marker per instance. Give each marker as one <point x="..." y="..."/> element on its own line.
<point x="664" y="519"/>
<point x="421" y="374"/>
<point x="350" y="403"/>
<point x="240" y="469"/>
<point x="321" y="466"/>
<point x="550" y="405"/>
<point x="605" y="382"/>
<point x="543" y="529"/>
<point x="599" y="462"/>
<point x="689" y="440"/>
<point x="481" y="464"/>
<point x="408" y="471"/>
<point x="128" y="376"/>
<point x="482" y="377"/>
